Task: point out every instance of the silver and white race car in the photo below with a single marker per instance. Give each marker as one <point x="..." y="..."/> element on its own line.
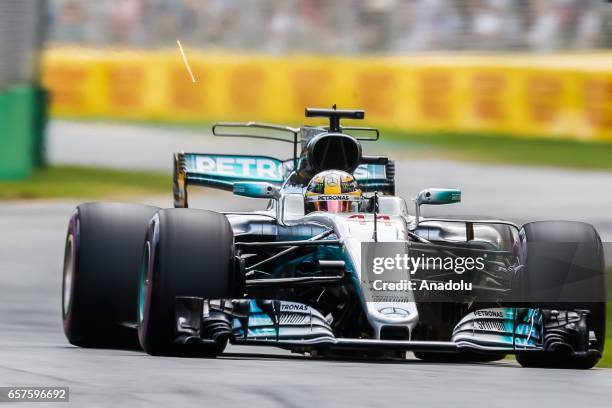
<point x="376" y="281"/>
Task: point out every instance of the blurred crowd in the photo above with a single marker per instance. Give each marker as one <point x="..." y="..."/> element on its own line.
<point x="336" y="26"/>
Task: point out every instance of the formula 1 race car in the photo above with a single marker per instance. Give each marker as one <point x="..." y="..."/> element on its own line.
<point x="336" y="265"/>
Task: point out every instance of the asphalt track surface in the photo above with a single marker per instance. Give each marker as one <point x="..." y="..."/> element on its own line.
<point x="33" y="350"/>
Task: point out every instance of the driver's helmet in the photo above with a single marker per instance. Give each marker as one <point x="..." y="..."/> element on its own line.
<point x="333" y="191"/>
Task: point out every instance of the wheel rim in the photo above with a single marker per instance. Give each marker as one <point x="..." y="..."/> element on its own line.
<point x="143" y="282"/>
<point x="68" y="275"/>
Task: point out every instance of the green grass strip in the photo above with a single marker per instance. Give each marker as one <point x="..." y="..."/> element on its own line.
<point x="86" y="182"/>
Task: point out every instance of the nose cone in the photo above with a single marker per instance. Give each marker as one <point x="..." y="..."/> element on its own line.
<point x="392" y="314"/>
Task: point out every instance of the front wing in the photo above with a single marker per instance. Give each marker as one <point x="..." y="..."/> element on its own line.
<point x="296" y="326"/>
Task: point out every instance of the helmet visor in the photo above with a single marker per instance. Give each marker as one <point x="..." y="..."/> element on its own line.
<point x="335" y="206"/>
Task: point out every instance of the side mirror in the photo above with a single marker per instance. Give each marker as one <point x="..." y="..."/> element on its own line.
<point x="435" y="196"/>
<point x="256" y="189"/>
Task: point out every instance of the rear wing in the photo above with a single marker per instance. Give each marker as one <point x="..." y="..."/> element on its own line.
<point x="221" y="171"/>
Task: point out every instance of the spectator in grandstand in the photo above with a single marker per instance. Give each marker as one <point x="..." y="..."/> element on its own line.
<point x="494" y="25"/>
<point x="425" y="25"/>
<point x="70" y="23"/>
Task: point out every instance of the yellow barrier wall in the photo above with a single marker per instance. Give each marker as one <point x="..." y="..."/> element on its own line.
<point x="546" y="96"/>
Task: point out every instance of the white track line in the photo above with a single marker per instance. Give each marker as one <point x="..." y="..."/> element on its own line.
<point x="185" y="60"/>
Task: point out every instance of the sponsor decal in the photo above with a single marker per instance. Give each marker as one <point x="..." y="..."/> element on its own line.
<point x="394" y="311"/>
<point x="489" y="313"/>
<point x="332" y="180"/>
<point x="239" y="166"/>
<point x="294" y="307"/>
<point x="332" y="197"/>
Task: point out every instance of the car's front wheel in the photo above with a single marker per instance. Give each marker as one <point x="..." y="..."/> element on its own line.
<point x="187" y="253"/>
<point x="565" y="273"/>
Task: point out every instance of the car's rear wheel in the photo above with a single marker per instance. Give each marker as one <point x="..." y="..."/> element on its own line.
<point x="187" y="253"/>
<point x="101" y="263"/>
<point x="564" y="270"/>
